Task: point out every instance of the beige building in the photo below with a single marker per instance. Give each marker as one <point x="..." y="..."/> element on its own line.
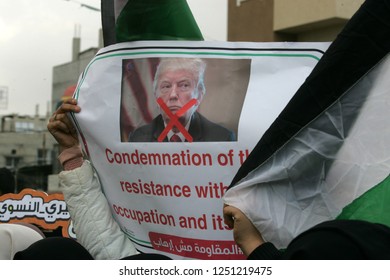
<point x="288" y="20"/>
<point x="65" y="76"/>
<point x="26" y="149"/>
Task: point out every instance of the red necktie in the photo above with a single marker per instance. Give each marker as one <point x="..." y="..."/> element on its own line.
<point x="175" y="138"/>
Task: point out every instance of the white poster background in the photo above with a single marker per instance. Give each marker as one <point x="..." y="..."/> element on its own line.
<point x="188" y="224"/>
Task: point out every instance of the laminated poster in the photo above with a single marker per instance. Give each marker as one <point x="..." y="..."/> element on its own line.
<point x="166" y="195"/>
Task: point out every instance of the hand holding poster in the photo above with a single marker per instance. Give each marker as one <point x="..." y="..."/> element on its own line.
<point x="167" y="196"/>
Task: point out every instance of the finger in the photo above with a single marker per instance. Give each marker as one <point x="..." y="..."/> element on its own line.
<point x="55" y="126"/>
<point x="61" y="116"/>
<point x="60" y="122"/>
<point x="228" y="216"/>
<point x="68" y="108"/>
<point x="69" y="105"/>
<point x="70" y="101"/>
<point x="65" y="120"/>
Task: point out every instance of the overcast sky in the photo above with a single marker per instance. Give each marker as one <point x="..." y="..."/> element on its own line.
<point x="36" y="35"/>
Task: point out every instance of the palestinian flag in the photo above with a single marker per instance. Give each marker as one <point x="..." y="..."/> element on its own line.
<point x="327" y="155"/>
<point x="134" y="20"/>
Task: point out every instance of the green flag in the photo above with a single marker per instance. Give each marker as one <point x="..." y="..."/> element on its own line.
<point x="136" y="20"/>
<point x="370" y="206"/>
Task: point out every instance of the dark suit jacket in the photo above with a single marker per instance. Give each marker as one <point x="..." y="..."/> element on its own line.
<point x="201" y="130"/>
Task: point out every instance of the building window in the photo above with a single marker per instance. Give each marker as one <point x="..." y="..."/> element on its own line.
<point x="11" y="162"/>
<point x="24" y="126"/>
<point x="44" y="156"/>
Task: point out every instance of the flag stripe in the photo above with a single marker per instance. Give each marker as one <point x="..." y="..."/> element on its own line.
<point x="134" y="81"/>
<point x="133" y="20"/>
<point x="372" y="206"/>
<point x="138" y="105"/>
<point x="156" y="20"/>
<point x="108" y="22"/>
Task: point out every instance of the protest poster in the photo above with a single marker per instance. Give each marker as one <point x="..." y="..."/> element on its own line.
<point x="167" y="196"/>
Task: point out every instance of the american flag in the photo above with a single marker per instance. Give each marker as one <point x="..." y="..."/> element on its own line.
<point x="138" y="104"/>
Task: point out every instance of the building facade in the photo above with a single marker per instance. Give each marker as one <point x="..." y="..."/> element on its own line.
<point x="65" y="76"/>
<point x="288" y="20"/>
<point x="26" y="151"/>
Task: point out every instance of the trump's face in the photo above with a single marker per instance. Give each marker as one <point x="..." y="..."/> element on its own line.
<point x="176" y="88"/>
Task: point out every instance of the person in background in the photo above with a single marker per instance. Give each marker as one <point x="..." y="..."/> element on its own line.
<point x="7" y="181"/>
<point x="17" y="237"/>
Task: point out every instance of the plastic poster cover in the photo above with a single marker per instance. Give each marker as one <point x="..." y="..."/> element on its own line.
<point x="167" y="196"/>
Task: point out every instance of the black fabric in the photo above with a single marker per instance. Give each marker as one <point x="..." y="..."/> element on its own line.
<point x="266" y="251"/>
<point x="7" y="181"/>
<point x="108" y="22"/>
<point x="61" y="248"/>
<point x="334" y="240"/>
<point x="147" y="256"/>
<point x="363" y="42"/>
<point x="54" y="248"/>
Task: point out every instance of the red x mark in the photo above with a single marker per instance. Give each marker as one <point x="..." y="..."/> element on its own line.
<point x="174" y="119"/>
